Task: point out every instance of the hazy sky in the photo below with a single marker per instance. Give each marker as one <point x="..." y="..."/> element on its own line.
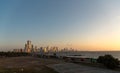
<point x="83" y="24"/>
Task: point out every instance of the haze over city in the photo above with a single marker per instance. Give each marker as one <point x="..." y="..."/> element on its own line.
<point x="92" y="25"/>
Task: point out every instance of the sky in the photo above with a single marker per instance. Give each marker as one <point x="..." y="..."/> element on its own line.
<point x="86" y="25"/>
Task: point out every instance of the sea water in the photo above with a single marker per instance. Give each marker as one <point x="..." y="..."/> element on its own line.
<point x="91" y="54"/>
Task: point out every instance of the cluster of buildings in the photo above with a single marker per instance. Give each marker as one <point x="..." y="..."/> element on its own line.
<point x="30" y="48"/>
<point x="69" y="54"/>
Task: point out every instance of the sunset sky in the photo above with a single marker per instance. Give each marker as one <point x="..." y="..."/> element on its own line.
<point x="87" y="25"/>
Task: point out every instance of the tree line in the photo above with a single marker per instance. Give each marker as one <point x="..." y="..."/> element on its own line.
<point x="109" y="61"/>
<point x="13" y="54"/>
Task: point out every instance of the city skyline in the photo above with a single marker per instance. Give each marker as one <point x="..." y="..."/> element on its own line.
<point x="87" y="25"/>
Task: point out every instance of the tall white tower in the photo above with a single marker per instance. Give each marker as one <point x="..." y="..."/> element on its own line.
<point x="28" y="47"/>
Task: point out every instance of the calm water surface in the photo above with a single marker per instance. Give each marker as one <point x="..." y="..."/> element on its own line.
<point x="93" y="54"/>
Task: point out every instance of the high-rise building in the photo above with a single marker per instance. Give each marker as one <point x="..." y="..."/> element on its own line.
<point x="28" y="47"/>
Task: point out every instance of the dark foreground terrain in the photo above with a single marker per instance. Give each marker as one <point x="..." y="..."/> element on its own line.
<point x="26" y="65"/>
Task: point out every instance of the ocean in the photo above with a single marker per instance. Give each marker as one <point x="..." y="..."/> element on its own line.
<point x="92" y="54"/>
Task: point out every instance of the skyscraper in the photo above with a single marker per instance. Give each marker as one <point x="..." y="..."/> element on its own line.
<point x="28" y="47"/>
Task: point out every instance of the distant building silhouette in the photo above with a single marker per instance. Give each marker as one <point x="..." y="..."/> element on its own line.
<point x="28" y="47"/>
<point x="18" y="50"/>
